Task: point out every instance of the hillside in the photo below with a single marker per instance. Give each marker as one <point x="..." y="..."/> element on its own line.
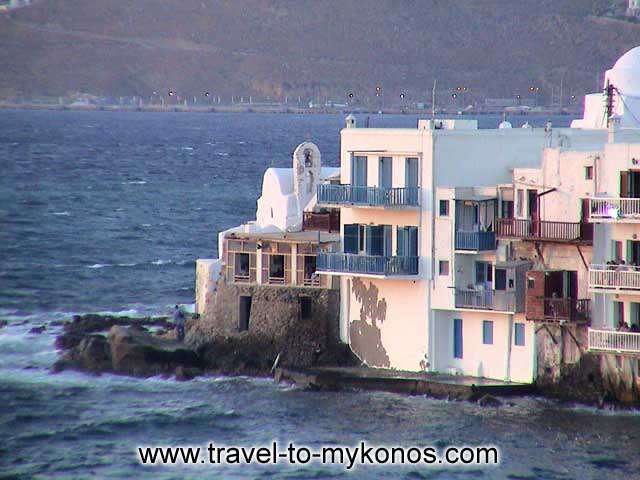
<point x="276" y="48"/>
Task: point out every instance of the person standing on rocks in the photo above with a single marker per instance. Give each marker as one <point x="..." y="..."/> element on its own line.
<point x="178" y="318"/>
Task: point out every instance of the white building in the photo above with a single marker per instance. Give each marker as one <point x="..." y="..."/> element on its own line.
<point x="278" y="248"/>
<point x="425" y="285"/>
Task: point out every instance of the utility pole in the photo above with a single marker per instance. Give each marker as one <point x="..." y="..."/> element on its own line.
<point x="433" y="99"/>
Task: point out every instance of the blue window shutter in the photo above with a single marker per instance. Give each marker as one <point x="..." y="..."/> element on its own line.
<point x="487" y="332"/>
<point x="351" y="240"/>
<point x="457" y="338"/>
<point x="401" y="251"/>
<point x="519" y="334"/>
<point x="388" y="240"/>
<point x="413" y="241"/>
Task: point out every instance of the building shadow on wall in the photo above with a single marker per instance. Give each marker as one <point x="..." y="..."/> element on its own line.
<point x="365" y="336"/>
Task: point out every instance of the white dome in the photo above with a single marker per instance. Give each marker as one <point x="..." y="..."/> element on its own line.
<point x="629" y="61"/>
<point x="505" y="124"/>
<point x="625" y="74"/>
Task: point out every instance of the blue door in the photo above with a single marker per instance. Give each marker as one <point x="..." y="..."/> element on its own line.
<point x="457" y="338"/>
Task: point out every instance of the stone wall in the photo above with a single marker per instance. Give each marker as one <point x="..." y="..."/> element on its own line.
<point x="276" y="317"/>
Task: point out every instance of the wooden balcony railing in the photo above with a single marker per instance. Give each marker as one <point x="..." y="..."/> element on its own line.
<point x="543" y="230"/>
<point x="614" y="209"/>
<point x="323" y="222"/>
<point x="567" y="309"/>
<point x="330" y="194"/>
<point x="613" y="341"/>
<point x="367" y="264"/>
<point x="614" y="277"/>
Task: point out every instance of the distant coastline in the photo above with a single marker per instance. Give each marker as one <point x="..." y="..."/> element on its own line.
<point x="274" y="108"/>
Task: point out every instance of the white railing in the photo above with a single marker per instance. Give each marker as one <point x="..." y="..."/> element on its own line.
<point x="613" y="341"/>
<point x="618" y="277"/>
<point x="614" y="208"/>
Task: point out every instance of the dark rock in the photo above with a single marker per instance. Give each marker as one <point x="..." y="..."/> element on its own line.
<point x="185" y="374"/>
<point x="4" y="323"/>
<point x="92" y="354"/>
<point x="137" y="353"/>
<point x="489" y="401"/>
<point x="38" y="329"/>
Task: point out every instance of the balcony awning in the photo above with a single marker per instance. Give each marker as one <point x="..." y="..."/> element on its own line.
<point x="475" y="198"/>
<point x="288" y="237"/>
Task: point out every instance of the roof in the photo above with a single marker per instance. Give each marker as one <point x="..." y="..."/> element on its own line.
<point x="475" y="198"/>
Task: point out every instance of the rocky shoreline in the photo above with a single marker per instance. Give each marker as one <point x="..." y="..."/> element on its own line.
<point x="144" y="347"/>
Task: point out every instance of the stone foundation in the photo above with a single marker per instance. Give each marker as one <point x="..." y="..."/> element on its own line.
<point x="301" y="324"/>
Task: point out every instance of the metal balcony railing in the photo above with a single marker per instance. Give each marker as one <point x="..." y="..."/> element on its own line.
<point x="614" y="277"/>
<point x="496" y="300"/>
<point x="614" y="208"/>
<point x="475" y="240"/>
<point x="329" y="194"/>
<point x="367" y="264"/>
<point x="543" y="230"/>
<point x="613" y="341"/>
<point x="566" y="309"/>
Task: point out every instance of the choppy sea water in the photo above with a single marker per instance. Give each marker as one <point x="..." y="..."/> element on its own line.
<point x="106" y="212"/>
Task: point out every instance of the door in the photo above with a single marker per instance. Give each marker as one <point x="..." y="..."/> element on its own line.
<point x="359" y="179"/>
<point x="624" y="184"/>
<point x="411" y="172"/>
<point x="457" y="338"/>
<point x="244" y="314"/>
<point x="385" y="171"/>
<point x="484" y="275"/>
<point x="534" y="215"/>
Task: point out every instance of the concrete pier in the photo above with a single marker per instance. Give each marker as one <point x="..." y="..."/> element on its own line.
<point x="411" y="383"/>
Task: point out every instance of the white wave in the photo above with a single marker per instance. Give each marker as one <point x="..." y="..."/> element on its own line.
<point x="187" y="148"/>
<point x="135" y="182"/>
<point x="146" y="225"/>
<point x="100" y="265"/>
<point x="62" y="214"/>
<point x="222" y="154"/>
<point x="127" y="264"/>
<point x="161" y="262"/>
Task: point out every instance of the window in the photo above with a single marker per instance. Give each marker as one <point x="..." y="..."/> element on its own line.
<point x="305" y="308"/>
<point x="352" y="238"/>
<point x="484" y="273"/>
<point x="457" y="338"/>
<point x="443" y="267"/>
<point x="588" y="173"/>
<point x="531" y="283"/>
<point x="519" y="334"/>
<point x="241" y="265"/>
<point x="487" y="332"/>
<point x="407" y="241"/>
<point x="276" y="266"/>
<point x="444" y="208"/>
<point x="507" y="209"/>
<point x="520" y="202"/>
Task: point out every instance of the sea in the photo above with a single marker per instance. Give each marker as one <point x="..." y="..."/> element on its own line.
<point x="106" y="212"/>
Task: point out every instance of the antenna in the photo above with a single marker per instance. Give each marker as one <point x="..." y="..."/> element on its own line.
<point x="433" y="99"/>
<point x="609" y="99"/>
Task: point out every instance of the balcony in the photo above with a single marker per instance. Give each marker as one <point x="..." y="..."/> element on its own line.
<point x="367" y="265"/>
<point x="566" y="309"/>
<point x="610" y="341"/>
<point x="545" y="231"/>
<point x="614" y="209"/>
<point x="614" y="277"/>
<point x="322" y="222"/>
<point x="329" y="194"/>
<point x="475" y="241"/>
<point x="496" y="300"/>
